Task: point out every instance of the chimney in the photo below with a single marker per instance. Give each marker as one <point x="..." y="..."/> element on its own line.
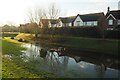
<point x="108" y="9"/>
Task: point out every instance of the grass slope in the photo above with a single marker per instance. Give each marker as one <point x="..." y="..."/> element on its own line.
<point x="14" y="67"/>
<point x="87" y="44"/>
<point x="25" y="36"/>
<point x="11" y="47"/>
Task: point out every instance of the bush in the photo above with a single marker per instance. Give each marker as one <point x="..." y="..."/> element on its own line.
<point x="74" y="31"/>
<point x="9" y="35"/>
<point x="112" y="34"/>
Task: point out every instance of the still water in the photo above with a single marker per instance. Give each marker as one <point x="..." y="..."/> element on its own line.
<point x="65" y="62"/>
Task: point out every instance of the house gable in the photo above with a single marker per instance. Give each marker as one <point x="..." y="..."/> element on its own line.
<point x="111" y="16"/>
<point x="88" y="19"/>
<point x="112" y="19"/>
<point x="78" y="21"/>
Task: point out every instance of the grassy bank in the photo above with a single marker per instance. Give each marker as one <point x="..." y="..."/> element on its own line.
<point x="109" y="46"/>
<point x="18" y="35"/>
<point x="95" y="45"/>
<point x="14" y="67"/>
<point x="25" y="36"/>
<point x="0" y="58"/>
<point x="11" y="47"/>
<point x="86" y="44"/>
<point x="9" y="34"/>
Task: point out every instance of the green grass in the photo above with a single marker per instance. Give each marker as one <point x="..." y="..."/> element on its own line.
<point x="18" y="35"/>
<point x="92" y="44"/>
<point x="0" y="58"/>
<point x="11" y="70"/>
<point x="109" y="46"/>
<point x="25" y="36"/>
<point x="14" y="67"/>
<point x="11" y="47"/>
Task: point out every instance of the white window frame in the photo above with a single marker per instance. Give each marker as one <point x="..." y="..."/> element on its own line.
<point x="118" y="22"/>
<point x="95" y="23"/>
<point x="110" y="22"/>
<point x="78" y="23"/>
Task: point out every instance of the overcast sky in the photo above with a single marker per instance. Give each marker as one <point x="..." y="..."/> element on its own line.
<point x="14" y="11"/>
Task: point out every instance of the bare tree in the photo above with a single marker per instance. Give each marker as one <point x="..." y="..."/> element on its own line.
<point x="53" y="11"/>
<point x="35" y="15"/>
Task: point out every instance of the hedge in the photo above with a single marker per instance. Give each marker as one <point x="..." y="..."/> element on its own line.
<point x="74" y="31"/>
<point x="91" y="32"/>
<point x="112" y="34"/>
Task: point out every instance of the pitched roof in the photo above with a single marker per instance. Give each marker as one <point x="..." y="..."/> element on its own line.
<point x="91" y="17"/>
<point x="67" y="19"/>
<point x="85" y="17"/>
<point x="115" y="13"/>
<point x="54" y="21"/>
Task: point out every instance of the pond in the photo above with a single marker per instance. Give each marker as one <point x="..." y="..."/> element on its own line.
<point x="70" y="63"/>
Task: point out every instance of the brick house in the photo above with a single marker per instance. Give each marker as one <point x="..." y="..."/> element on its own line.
<point x="113" y="19"/>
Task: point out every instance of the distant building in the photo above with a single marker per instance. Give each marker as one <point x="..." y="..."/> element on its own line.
<point x="50" y="23"/>
<point x="94" y="19"/>
<point x="67" y="21"/>
<point x="113" y="19"/>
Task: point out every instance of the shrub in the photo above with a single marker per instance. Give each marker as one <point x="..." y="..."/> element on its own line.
<point x="112" y="34"/>
<point x="74" y="31"/>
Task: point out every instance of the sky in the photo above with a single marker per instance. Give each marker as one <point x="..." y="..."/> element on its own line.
<point x="14" y="12"/>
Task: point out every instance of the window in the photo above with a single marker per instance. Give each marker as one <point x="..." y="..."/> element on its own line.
<point x="78" y="23"/>
<point x="118" y="22"/>
<point x="89" y="24"/>
<point x="85" y="24"/>
<point x="95" y="23"/>
<point x="110" y="22"/>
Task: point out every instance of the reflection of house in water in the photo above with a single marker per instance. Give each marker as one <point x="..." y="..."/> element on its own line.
<point x="77" y="59"/>
<point x="100" y="70"/>
<point x="102" y="60"/>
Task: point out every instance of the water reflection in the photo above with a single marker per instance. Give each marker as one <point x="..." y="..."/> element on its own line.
<point x="67" y="63"/>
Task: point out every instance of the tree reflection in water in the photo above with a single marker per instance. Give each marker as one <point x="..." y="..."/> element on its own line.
<point x="100" y="70"/>
<point x="56" y="63"/>
<point x="64" y="63"/>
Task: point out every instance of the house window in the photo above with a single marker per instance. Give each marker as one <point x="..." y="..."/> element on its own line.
<point x="118" y="22"/>
<point x="95" y="23"/>
<point x="78" y="23"/>
<point x="89" y="24"/>
<point x="85" y="24"/>
<point x="110" y="22"/>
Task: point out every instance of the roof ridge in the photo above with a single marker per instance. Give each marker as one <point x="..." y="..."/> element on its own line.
<point x="93" y="13"/>
<point x="68" y="17"/>
<point x="114" y="10"/>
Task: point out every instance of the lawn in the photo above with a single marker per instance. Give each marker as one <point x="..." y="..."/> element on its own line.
<point x="109" y="46"/>
<point x="92" y="44"/>
<point x="0" y="58"/>
<point x="11" y="47"/>
<point x="14" y="67"/>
